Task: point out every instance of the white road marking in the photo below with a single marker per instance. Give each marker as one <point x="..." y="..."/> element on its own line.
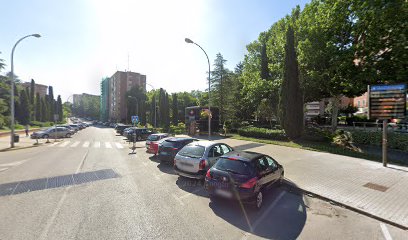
<point x="64" y="144"/>
<point x="86" y="144"/>
<point x="12" y="164"/>
<point x="385" y="232"/>
<point x="178" y="199"/>
<point x="75" y="144"/>
<point x="118" y="145"/>
<point x="145" y="164"/>
<point x="53" y="144"/>
<point x="266" y="212"/>
<point x="97" y="145"/>
<point x="108" y="145"/>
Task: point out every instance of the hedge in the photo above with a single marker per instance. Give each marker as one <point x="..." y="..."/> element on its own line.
<point x="395" y="140"/>
<point x="263" y="133"/>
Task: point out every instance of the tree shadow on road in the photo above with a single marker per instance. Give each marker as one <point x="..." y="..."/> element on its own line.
<point x="282" y="216"/>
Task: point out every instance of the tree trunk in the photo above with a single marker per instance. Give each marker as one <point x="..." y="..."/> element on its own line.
<point x="335" y="111"/>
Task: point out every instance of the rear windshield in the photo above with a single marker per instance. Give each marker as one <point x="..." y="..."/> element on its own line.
<point x="153" y="137"/>
<point x="171" y="144"/>
<point x="192" y="151"/>
<point x="234" y="166"/>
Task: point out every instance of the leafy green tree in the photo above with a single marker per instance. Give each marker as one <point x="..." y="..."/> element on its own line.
<point x="136" y="98"/>
<point x="291" y="101"/>
<point x="219" y="82"/>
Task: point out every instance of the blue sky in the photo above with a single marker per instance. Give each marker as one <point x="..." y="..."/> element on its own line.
<point x="85" y="40"/>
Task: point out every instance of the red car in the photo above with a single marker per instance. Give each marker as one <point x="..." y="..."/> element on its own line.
<point x="153" y="145"/>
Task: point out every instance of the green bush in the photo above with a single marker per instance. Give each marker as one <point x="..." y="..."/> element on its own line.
<point x="316" y="135"/>
<point x="395" y="140"/>
<point x="41" y="124"/>
<point x="263" y="133"/>
<point x="179" y="129"/>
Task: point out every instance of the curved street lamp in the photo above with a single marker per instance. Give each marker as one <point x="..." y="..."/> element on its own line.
<point x="12" y="88"/>
<point x="209" y="86"/>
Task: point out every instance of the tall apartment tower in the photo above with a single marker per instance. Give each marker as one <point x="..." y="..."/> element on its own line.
<point x="105" y="99"/>
<point x="119" y="84"/>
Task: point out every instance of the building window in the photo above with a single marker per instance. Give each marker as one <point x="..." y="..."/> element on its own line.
<point x="364" y="103"/>
<point x="358" y="103"/>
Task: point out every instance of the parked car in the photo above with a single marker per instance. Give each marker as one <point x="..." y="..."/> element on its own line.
<point x="154" y="146"/>
<point x="194" y="160"/>
<point x="54" y="132"/>
<point x="138" y="134"/>
<point x="244" y="176"/>
<point x="71" y="129"/>
<point x="120" y="127"/>
<point x="75" y="127"/>
<point x="155" y="137"/>
<point x="170" y="147"/>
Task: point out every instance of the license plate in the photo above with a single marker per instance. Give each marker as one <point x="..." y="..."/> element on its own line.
<point x="164" y="153"/>
<point x="186" y="164"/>
<point x="223" y="193"/>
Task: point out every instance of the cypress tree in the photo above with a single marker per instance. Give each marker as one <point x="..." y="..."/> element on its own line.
<point x="175" y="109"/>
<point x="291" y="101"/>
<point x="166" y="112"/>
<point x="59" y="108"/>
<point x="24" y="108"/>
<point x="51" y="104"/>
<point x="44" y="110"/>
<point x="32" y="92"/>
<point x="37" y="108"/>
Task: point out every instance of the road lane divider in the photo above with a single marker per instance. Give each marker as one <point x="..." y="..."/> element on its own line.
<point x="86" y="144"/>
<point x="118" y="145"/>
<point x="108" y="145"/>
<point x="97" y="144"/>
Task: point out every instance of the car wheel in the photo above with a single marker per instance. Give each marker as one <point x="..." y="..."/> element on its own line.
<point x="46" y="136"/>
<point x="139" y="138"/>
<point x="68" y="135"/>
<point x="259" y="200"/>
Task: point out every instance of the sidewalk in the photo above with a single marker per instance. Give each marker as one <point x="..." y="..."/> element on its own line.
<point x="25" y="142"/>
<point x="360" y="184"/>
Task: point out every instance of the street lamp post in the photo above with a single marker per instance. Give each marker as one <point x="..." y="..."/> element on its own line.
<point x="209" y="86"/>
<point x="155" y="108"/>
<point x="12" y="88"/>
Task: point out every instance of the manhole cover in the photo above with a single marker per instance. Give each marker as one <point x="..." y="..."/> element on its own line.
<point x="377" y="187"/>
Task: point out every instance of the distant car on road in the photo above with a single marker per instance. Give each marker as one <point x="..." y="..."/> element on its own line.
<point x="170" y="147"/>
<point x="243" y="176"/>
<point x="54" y="132"/>
<point x="120" y="127"/>
<point x="194" y="160"/>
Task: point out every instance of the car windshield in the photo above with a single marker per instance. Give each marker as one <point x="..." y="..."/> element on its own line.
<point x="195" y="151"/>
<point x="174" y="144"/>
<point x="234" y="166"/>
<point x="153" y="137"/>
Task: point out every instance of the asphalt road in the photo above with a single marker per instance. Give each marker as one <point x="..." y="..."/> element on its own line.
<point x="146" y="200"/>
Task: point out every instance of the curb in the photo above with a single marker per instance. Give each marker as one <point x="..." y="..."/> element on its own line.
<point x="349" y="207"/>
<point x="18" y="148"/>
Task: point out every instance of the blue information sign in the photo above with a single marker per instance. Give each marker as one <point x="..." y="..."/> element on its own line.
<point x="135" y="119"/>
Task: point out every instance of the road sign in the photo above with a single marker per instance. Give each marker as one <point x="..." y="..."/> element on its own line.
<point x="56" y="117"/>
<point x="135" y="119"/>
<point x="387" y="101"/>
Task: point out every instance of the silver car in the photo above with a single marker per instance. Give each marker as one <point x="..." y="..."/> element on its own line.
<point x="54" y="132"/>
<point x="194" y="159"/>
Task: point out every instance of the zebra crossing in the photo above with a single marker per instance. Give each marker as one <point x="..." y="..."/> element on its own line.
<point x="87" y="144"/>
